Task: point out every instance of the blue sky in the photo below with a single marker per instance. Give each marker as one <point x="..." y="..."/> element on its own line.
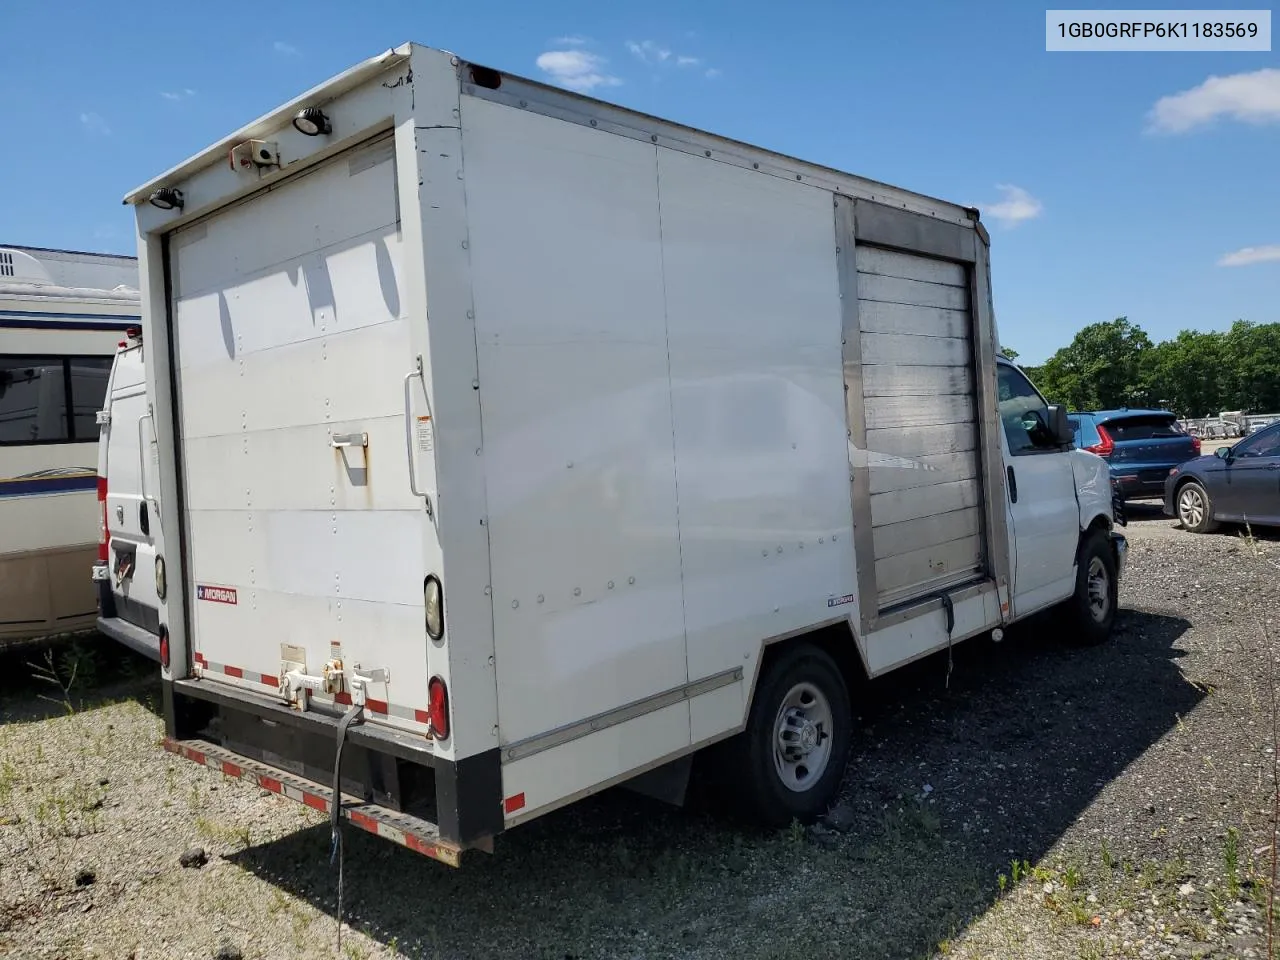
<point x="1111" y="204"/>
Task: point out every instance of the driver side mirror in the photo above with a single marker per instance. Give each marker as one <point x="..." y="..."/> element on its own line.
<point x="1224" y="453"/>
<point x="1060" y="426"/>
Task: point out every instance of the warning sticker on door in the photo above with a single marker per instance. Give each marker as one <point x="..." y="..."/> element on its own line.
<point x="426" y="437"/>
<point x="215" y="594"/>
<point x="840" y="601"/>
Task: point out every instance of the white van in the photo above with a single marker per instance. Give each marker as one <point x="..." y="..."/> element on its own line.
<point x="550" y="443"/>
<point x="130" y="577"/>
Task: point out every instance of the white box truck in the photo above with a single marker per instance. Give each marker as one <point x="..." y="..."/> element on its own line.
<point x="529" y="444"/>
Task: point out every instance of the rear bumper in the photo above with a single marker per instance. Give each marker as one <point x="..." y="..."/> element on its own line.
<point x="135" y="638"/>
<point x="439" y="806"/>
<point x="1133" y="485"/>
<point x="417" y="834"/>
<point x="1141" y="480"/>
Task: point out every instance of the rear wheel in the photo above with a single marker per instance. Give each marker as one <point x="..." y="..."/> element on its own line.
<point x="1195" y="509"/>
<point x="789" y="761"/>
<point x="1092" y="607"/>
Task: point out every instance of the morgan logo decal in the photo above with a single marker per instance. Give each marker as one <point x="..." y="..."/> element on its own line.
<point x="840" y="601"/>
<point x="215" y="594"/>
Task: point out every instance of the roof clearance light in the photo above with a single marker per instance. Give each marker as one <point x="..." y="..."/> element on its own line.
<point x="167" y="198"/>
<point x="312" y="122"/>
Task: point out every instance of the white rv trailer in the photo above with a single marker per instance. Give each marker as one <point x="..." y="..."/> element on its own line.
<point x="555" y="442"/>
<point x="61" y="316"/>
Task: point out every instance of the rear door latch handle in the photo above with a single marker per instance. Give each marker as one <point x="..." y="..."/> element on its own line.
<point x="349" y="440"/>
<point x="1013" y="485"/>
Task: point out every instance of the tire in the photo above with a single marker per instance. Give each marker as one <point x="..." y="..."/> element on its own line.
<point x="801" y="697"/>
<point x="1092" y="608"/>
<point x="1195" y="508"/>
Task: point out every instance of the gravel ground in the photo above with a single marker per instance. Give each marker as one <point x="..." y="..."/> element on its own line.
<point x="1053" y="802"/>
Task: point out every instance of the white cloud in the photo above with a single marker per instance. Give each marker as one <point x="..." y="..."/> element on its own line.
<point x="176" y="95"/>
<point x="1016" y="206"/>
<point x="573" y="40"/>
<point x="287" y="49"/>
<point x="93" y="123"/>
<point x="646" y="51"/>
<point x="1247" y="97"/>
<point x="577" y="69"/>
<point x="1247" y="256"/>
<point x="656" y="55"/>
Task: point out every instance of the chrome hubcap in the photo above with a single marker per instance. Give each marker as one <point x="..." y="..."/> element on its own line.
<point x="1099" y="590"/>
<point x="802" y="737"/>
<point x="1190" y="507"/>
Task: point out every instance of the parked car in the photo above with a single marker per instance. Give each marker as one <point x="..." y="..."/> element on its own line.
<point x="1141" y="447"/>
<point x="1237" y="484"/>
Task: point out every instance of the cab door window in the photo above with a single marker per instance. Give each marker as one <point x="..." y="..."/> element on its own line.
<point x="1024" y="414"/>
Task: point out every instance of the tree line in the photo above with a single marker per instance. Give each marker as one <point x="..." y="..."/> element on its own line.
<point x="1115" y="364"/>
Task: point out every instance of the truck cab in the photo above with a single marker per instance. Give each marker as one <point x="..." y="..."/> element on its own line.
<point x="1059" y="502"/>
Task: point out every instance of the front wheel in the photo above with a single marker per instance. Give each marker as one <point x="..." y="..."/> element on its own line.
<point x="1195" y="509"/>
<point x="791" y="757"/>
<point x="1092" y="608"/>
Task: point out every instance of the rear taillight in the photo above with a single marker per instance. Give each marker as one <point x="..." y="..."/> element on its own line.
<point x="1105" y="446"/>
<point x="1195" y="445"/>
<point x="438" y="708"/>
<point x="164" y="646"/>
<point x="103" y="536"/>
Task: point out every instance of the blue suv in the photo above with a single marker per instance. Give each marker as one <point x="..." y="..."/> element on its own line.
<point x="1141" y="446"/>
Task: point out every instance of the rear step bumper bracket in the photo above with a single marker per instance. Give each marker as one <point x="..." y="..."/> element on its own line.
<point x="417" y="834"/>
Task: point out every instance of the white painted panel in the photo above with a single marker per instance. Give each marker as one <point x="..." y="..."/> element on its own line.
<point x="918" y="636"/>
<point x="895" y="348"/>
<point x="336" y="378"/>
<point x="897" y="538"/>
<point x="761" y="449"/>
<point x="917" y="292"/>
<point x="322" y="292"/>
<point x="891" y="263"/>
<point x="570" y="323"/>
<point x="711" y="714"/>
<point x="586" y="764"/>
<point x="317" y="209"/>
<point x="298" y="469"/>
<point x="290" y="329"/>
<point x="249" y="634"/>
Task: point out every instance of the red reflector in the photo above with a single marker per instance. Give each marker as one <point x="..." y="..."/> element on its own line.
<point x="438" y="708"/>
<point x="513" y="803"/>
<point x="103" y="536"/>
<point x="164" y="647"/>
